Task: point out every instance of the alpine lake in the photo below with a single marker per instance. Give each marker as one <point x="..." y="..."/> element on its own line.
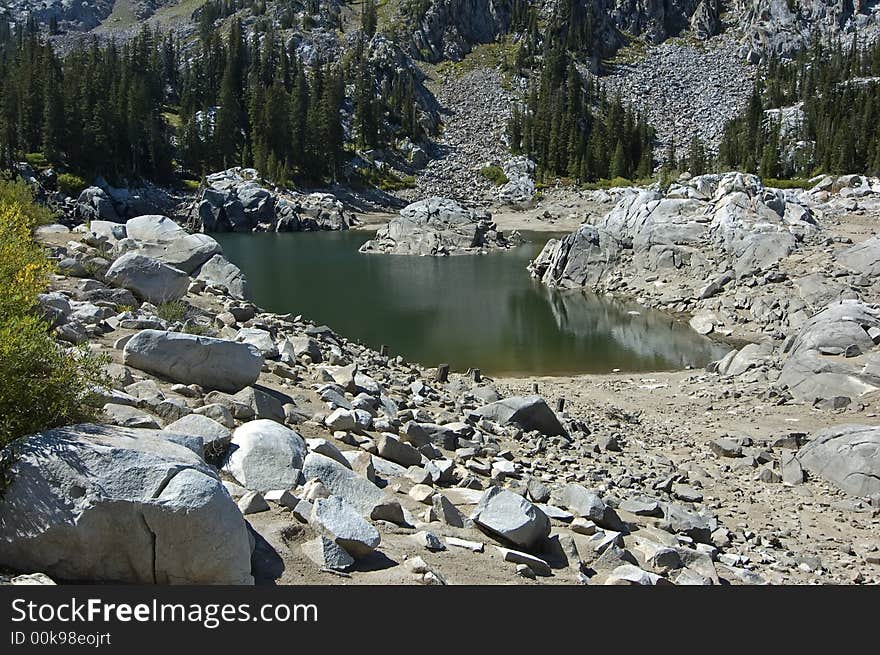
<point x="470" y="311"/>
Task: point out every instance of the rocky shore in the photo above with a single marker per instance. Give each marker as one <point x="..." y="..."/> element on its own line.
<point x="269" y="448"/>
<point x="792" y="271"/>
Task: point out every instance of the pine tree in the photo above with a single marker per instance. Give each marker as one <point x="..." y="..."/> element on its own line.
<point x="369" y="19"/>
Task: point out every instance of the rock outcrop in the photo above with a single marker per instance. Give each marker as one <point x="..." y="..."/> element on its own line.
<point x="239" y="200"/>
<point x="700" y="228"/>
<point x="437" y="227"/>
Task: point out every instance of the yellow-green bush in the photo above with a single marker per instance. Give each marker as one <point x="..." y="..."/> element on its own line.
<point x="495" y="174"/>
<point x="70" y="184"/>
<point x="172" y="311"/>
<point x="14" y="191"/>
<point x="37" y="160"/>
<point x="42" y="385"/>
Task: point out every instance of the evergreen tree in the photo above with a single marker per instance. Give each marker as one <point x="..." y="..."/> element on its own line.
<point x="369" y="18"/>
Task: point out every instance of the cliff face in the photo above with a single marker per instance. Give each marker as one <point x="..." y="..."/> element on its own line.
<point x="450" y="28"/>
<point x="783" y="26"/>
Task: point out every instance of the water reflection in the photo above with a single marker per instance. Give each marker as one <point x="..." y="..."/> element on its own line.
<point x="471" y="311"/>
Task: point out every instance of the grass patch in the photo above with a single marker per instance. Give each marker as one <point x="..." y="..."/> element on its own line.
<point x="385" y="179"/>
<point x="617" y="182"/>
<point x="495" y="174"/>
<point x="191" y="185"/>
<point x="501" y="54"/>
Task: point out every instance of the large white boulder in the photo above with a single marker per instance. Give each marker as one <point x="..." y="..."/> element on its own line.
<point x="511" y="517"/>
<point x="163" y="239"/>
<point x="264" y="455"/>
<point x="148" y="278"/>
<point x="98" y="503"/>
<point x="191" y="359"/>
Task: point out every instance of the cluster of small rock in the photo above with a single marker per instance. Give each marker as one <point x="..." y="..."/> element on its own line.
<point x="474" y="108"/>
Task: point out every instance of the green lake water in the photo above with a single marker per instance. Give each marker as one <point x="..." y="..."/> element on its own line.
<point x="480" y="311"/>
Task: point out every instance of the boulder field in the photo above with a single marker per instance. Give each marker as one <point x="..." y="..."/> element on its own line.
<point x="244" y="446"/>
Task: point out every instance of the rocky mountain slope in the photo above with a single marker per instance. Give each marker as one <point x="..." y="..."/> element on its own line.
<point x="688" y="64"/>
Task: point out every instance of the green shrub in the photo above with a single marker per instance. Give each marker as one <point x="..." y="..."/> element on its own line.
<point x="793" y="183"/>
<point x="494" y="174"/>
<point x="197" y="329"/>
<point x="42" y="385"/>
<point x="36" y="160"/>
<point x="70" y="184"/>
<point x="172" y="311"/>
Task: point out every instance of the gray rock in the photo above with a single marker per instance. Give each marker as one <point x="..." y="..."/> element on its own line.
<point x="448" y="513"/>
<point x="848" y="456"/>
<point x="792" y="472"/>
<point x="264" y="402"/>
<point x="161" y="238"/>
<point x="678" y="519"/>
<point x="511" y="517"/>
<point x="326" y="553"/>
<point x="628" y="574"/>
<point x="129" y="417"/>
<point x="190" y="359"/>
<point x="812" y="378"/>
<point x="218" y="271"/>
<point x="428" y="540"/>
<point x="435" y="226"/>
<point x="357" y="491"/>
<point x="340" y="522"/>
<point x="252" y="502"/>
<point x="536" y="564"/>
<point x="262" y="339"/>
<point x="528" y="412"/>
<point x="99" y="503"/>
<point x="402" y="453"/>
<point x="215" y="436"/>
<point x="723" y="447"/>
<point x="863" y="258"/>
<point x="264" y="455"/>
<point x="326" y="448"/>
<point x="148" y="278"/>
<point x="588" y="505"/>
